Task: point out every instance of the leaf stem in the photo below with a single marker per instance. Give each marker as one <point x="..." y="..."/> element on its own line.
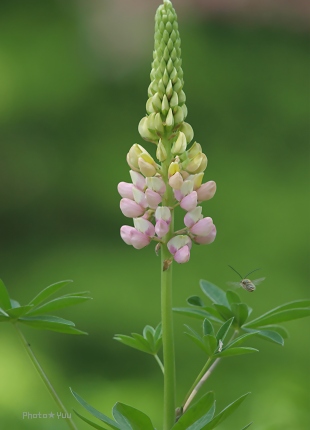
<point x="45" y="379"/>
<point x="159" y="363"/>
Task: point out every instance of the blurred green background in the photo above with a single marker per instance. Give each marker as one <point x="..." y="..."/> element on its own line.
<point x="73" y="87"/>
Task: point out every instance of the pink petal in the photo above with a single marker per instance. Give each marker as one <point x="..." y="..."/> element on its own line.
<point x="125" y="234"/>
<point x="130" y="208"/>
<point x="189" y="202"/>
<point x="178" y="242"/>
<point x="203" y="227"/>
<point x="182" y="255"/>
<point x="144" y="226"/>
<point x="125" y="190"/>
<point x="177" y="194"/>
<point x="156" y="183"/>
<point x="137" y="179"/>
<point x="153" y="199"/>
<point x="161" y="228"/>
<point x="206" y="191"/>
<point x="205" y="240"/>
<point x="139" y="240"/>
<point x="193" y="216"/>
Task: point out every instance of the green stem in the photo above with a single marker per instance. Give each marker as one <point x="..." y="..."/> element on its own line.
<point x="45" y="379"/>
<point x="166" y="306"/>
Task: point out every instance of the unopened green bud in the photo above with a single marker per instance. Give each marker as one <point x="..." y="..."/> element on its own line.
<point x="161" y="152"/>
<point x="144" y="131"/>
<point x="156" y="101"/>
<point x="174" y="100"/>
<point x="179" y="146"/>
<point x="169" y="90"/>
<point x="178" y="115"/>
<point x="194" y="150"/>
<point x="197" y="164"/>
<point x="133" y="155"/>
<point x="149" y="105"/>
<point x="165" y="105"/>
<point x="170" y="119"/>
<point x="188" y="131"/>
<point x="159" y="124"/>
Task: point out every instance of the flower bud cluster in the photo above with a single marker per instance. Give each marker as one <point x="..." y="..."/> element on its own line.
<point x="142" y="199"/>
<point x="165" y="107"/>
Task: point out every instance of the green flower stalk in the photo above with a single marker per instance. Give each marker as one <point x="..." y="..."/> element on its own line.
<point x="157" y="188"/>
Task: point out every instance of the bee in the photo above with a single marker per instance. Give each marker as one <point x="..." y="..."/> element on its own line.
<point x="245" y="283"/>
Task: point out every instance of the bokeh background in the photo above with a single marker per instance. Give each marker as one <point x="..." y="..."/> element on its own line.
<point x="73" y="86"/>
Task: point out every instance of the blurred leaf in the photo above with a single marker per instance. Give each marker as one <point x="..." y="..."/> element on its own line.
<point x="241" y="312"/>
<point x="286" y="315"/>
<point x="197" y="412"/>
<point x="18" y="312"/>
<point x="91" y="423"/>
<point x="232" y="297"/>
<point x="224" y="311"/>
<point x="150" y="342"/>
<point x="48" y="322"/>
<point x="197" y="313"/>
<point x="225" y="413"/>
<point x="224" y="329"/>
<point x="5" y="302"/>
<point x="131" y="417"/>
<point x="58" y="303"/>
<point x="215" y="294"/>
<point x="236" y="351"/>
<point x="247" y="426"/>
<point x="133" y="343"/>
<point x="297" y="304"/>
<point x="48" y="291"/>
<point x="195" y="301"/>
<point x="207" y="327"/>
<point x="95" y="412"/>
<point x="14" y="304"/>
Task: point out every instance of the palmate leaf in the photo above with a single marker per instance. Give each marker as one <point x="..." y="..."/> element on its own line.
<point x="224" y="329"/>
<point x="232" y="297"/>
<point x="199" y="314"/>
<point x="95" y="413"/>
<point x="207" y="327"/>
<point x="284" y="315"/>
<point x="235" y="351"/>
<point x="224" y="311"/>
<point x="52" y="323"/>
<point x="19" y="311"/>
<point x="215" y="294"/>
<point x="272" y="336"/>
<point x="91" y="423"/>
<point x="240" y="339"/>
<point x="47" y="292"/>
<point x="150" y="342"/>
<point x="241" y="312"/>
<point x="201" y="411"/>
<point x="58" y="303"/>
<point x="225" y="413"/>
<point x="131" y="418"/>
<point x="195" y="301"/>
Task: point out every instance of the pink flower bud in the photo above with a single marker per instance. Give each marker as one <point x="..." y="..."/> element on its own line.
<point x="153" y="199"/>
<point x="139" y="197"/>
<point x="156" y="183"/>
<point x="161" y="228"/>
<point x="193" y="216"/>
<point x="144" y="226"/>
<point x="163" y="212"/>
<point x="176" y="181"/>
<point x="206" y="191"/>
<point x="205" y="240"/>
<point x="203" y="227"/>
<point x="182" y="255"/>
<point x="130" y="208"/>
<point x="189" y="202"/>
<point x="125" y="190"/>
<point x="138" y="180"/>
<point x="133" y="237"/>
<point x="177" y="242"/>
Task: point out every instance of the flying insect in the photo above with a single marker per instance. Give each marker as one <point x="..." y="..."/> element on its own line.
<point x="246" y="283"/>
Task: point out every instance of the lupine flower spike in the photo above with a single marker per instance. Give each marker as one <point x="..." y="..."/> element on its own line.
<point x="175" y="179"/>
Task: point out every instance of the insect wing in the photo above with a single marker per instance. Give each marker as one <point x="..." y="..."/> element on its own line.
<point x="234" y="284"/>
<point x="258" y="281"/>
